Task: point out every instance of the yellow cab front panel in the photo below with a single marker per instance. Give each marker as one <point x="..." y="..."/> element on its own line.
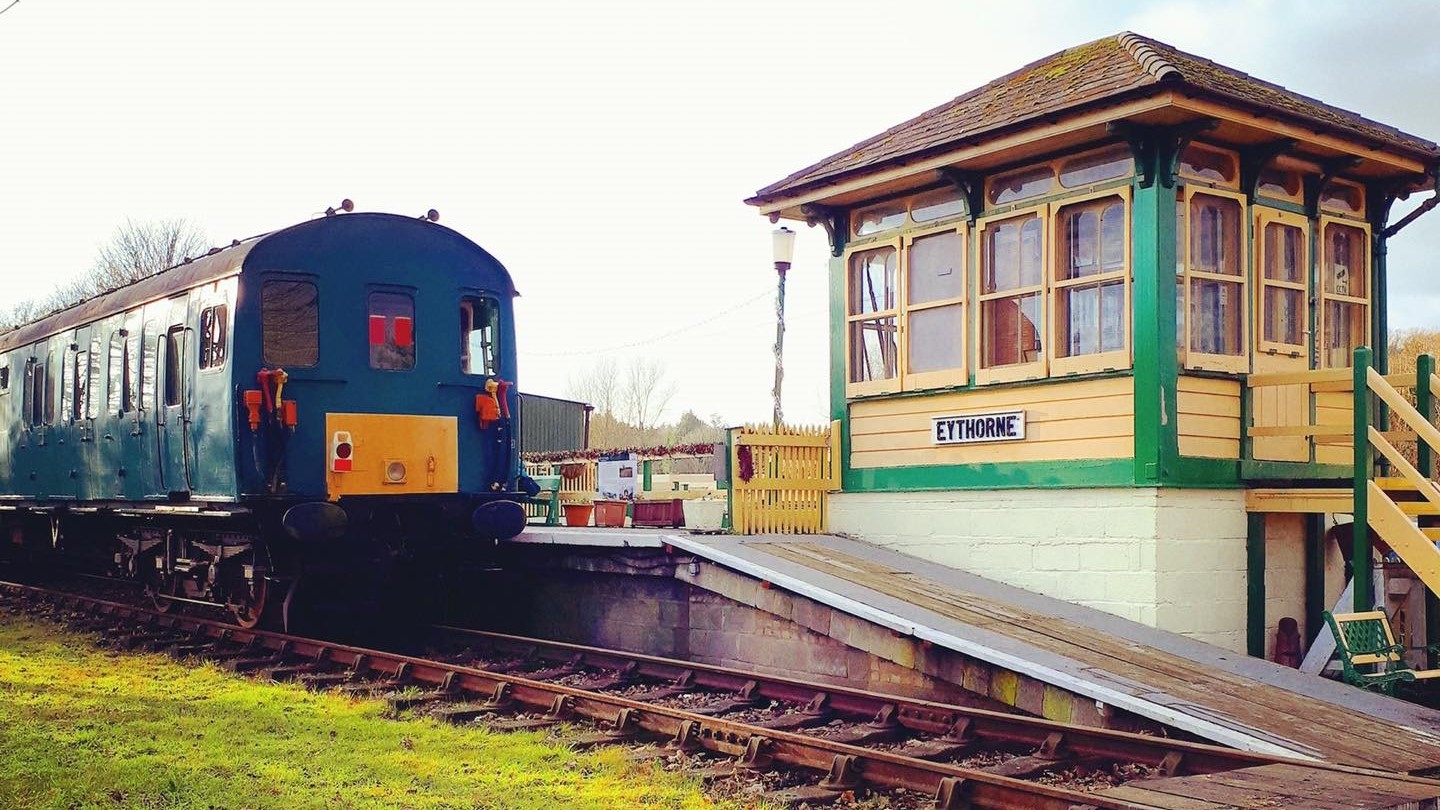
<point x="387" y="454"/>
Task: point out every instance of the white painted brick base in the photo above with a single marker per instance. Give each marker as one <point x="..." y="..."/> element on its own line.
<point x="1173" y="559"/>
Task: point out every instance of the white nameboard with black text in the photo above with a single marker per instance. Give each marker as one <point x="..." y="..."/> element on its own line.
<point x="973" y="428"/>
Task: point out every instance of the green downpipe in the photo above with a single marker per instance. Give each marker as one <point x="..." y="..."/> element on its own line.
<point x="1255" y="584"/>
<point x="1360" y="542"/>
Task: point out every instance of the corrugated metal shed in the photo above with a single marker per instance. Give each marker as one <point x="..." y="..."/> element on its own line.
<point x="549" y="425"/>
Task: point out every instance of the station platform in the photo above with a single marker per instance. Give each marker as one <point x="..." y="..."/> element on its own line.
<point x="1216" y="694"/>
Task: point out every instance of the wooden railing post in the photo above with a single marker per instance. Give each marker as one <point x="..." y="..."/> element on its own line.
<point x="1360" y="540"/>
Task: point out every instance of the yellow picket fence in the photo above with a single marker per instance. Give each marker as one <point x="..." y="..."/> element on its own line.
<point x="780" y="477"/>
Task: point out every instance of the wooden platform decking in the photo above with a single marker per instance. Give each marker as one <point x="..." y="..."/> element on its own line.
<point x="1160" y="675"/>
<point x="1277" y="786"/>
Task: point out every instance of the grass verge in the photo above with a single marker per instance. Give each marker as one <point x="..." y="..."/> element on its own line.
<point x="85" y="728"/>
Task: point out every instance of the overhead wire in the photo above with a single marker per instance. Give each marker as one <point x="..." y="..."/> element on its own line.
<point x="768" y="292"/>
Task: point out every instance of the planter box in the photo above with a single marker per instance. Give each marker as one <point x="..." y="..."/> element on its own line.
<point x="610" y="514"/>
<point x="704" y="515"/>
<point x="577" y="514"/>
<point x="660" y="514"/>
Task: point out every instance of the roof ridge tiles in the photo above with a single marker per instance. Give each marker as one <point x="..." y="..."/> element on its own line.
<point x="1150" y="60"/>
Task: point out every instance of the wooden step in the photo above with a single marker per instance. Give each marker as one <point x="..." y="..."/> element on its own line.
<point x="1418" y="508"/>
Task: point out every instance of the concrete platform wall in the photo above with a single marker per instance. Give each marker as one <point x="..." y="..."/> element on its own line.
<point x="1172" y="559"/>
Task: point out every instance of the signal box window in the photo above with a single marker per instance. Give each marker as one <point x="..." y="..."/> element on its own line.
<point x="1012" y="293"/>
<point x="392" y="331"/>
<point x="479" y="331"/>
<point x="213" y="325"/>
<point x="1090" y="279"/>
<point x="873" y="307"/>
<point x="290" y="323"/>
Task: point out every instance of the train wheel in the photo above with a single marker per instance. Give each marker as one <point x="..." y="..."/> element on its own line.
<point x="251" y="609"/>
<point x="156" y="591"/>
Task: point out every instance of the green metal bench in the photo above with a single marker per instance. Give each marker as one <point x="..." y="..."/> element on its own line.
<point x="1369" y="655"/>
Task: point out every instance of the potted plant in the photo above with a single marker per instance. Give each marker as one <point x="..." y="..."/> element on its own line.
<point x="610" y="512"/>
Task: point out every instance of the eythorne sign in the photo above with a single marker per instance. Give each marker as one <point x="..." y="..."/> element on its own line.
<point x="1005" y="426"/>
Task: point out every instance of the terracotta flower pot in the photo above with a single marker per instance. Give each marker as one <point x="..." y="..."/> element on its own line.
<point x="610" y="514"/>
<point x="578" y="514"/>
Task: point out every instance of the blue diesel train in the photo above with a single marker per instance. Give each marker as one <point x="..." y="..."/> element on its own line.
<point x="337" y="393"/>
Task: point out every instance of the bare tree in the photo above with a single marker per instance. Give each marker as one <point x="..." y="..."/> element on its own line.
<point x="599" y="386"/>
<point x="136" y="250"/>
<point x="140" y="249"/>
<point x="646" y="393"/>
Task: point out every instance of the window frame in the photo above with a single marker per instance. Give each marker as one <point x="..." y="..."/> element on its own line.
<point x="5" y="378"/>
<point x="220" y="318"/>
<point x="1187" y="178"/>
<point x="1114" y="360"/>
<point x="1264" y="217"/>
<point x="92" y="379"/>
<point x="69" y="364"/>
<point x="468" y="304"/>
<point x="391" y="327"/>
<point x="1324" y="297"/>
<point x="1206" y="361"/>
<point x="939" y="378"/>
<point x="887" y="385"/>
<point x="287" y="278"/>
<point x="1038" y="368"/>
<point x="1342" y="213"/>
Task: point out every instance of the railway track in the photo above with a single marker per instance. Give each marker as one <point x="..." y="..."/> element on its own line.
<point x="838" y="740"/>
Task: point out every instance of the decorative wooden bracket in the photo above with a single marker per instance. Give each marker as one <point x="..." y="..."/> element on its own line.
<point x="1147" y="143"/>
<point x="832" y="219"/>
<point x="1314" y="188"/>
<point x="971" y="184"/>
<point x="1254" y="159"/>
<point x="1386" y="232"/>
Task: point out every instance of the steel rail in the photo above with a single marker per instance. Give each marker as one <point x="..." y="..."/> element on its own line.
<point x="756" y="746"/>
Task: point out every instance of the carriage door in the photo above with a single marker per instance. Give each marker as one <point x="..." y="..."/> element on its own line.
<point x="174" y="393"/>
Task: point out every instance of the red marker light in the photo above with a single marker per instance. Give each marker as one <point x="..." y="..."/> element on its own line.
<point x="377" y="330"/>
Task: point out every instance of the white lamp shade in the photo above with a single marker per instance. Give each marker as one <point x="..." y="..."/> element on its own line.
<point x="784" y="244"/>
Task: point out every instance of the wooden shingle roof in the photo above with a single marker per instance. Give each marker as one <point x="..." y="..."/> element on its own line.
<point x="1123" y="65"/>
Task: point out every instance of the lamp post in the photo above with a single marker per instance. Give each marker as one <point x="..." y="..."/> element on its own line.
<point x="784" y="246"/>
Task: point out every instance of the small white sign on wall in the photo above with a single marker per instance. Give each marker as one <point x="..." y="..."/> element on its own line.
<point x="974" y="428"/>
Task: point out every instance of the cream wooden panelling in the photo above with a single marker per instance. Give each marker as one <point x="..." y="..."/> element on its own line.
<point x="1083" y="419"/>
<point x="1209" y="417"/>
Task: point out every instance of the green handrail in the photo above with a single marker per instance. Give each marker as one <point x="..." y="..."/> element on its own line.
<point x="1360" y="527"/>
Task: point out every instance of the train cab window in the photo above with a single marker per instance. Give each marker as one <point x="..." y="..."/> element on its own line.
<point x="213" y="326"/>
<point x="392" y="331"/>
<point x="479" y="326"/>
<point x="290" y="323"/>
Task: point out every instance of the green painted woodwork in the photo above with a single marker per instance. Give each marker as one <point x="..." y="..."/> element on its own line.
<point x="1280" y="471"/>
<point x="1314" y="574"/>
<point x="1255" y="584"/>
<point x="1152" y="236"/>
<point x="1014" y="475"/>
<point x="1360" y="529"/>
<point x="1425" y="458"/>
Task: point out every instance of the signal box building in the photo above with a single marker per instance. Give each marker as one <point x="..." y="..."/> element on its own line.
<point x="1049" y="299"/>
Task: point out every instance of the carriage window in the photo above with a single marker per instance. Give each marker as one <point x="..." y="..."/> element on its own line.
<point x="290" y="323"/>
<point x="47" y="387"/>
<point x="479" y="328"/>
<point x="34" y="386"/>
<point x="5" y="378"/>
<point x="67" y="386"/>
<point x="118" y="400"/>
<point x="173" y="351"/>
<point x="392" y="331"/>
<point x="213" y="325"/>
<point x="92" y="381"/>
<point x="148" y="370"/>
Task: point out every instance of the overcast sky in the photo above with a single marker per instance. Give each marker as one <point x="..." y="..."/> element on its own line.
<point x="601" y="150"/>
